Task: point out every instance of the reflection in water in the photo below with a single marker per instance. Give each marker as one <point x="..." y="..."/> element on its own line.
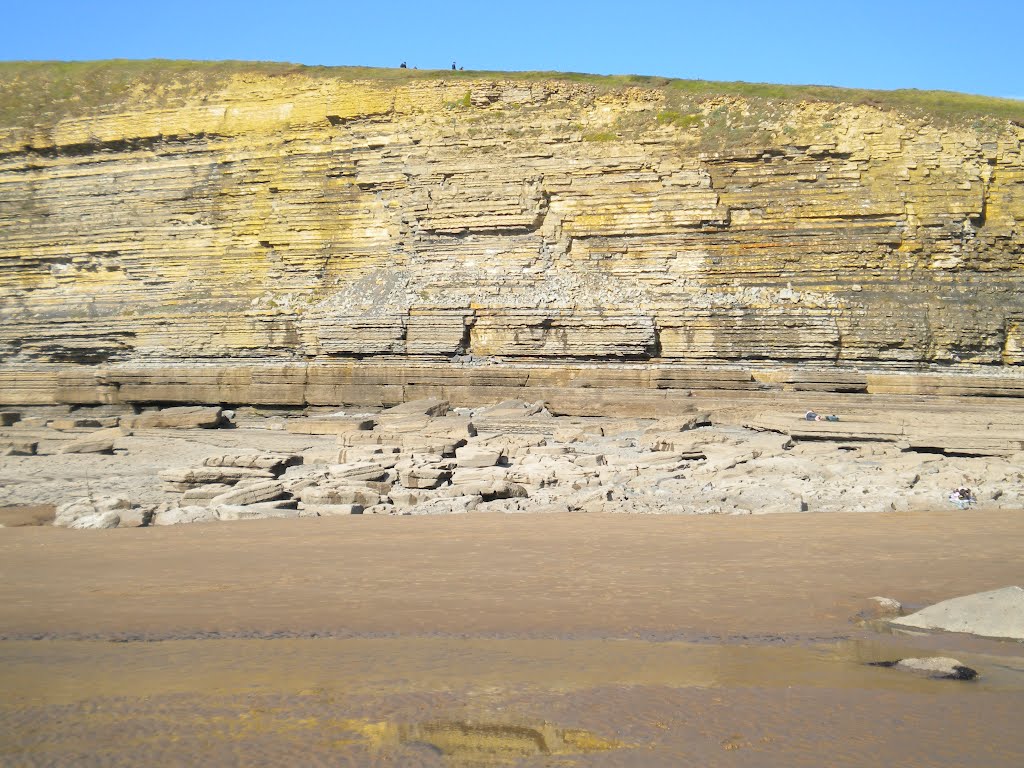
<point x="475" y="702"/>
<point x="469" y="744"/>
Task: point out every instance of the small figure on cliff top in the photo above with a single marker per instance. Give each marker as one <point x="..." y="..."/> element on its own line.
<point x="453" y="65"/>
<point x="403" y="65"/>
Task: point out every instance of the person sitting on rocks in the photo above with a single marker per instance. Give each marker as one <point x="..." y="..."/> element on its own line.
<point x="962" y="498"/>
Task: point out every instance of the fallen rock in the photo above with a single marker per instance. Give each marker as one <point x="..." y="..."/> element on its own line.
<point x="251" y="493"/>
<point x="333" y="510"/>
<point x="179" y="417"/>
<point x="260" y="511"/>
<point x="275" y="463"/>
<point x="329" y="425"/>
<point x="137" y="517"/>
<point x="339" y="495"/>
<point x="937" y="667"/>
<point x="180" y="515"/>
<point x="456" y="505"/>
<point x="206" y="492"/>
<point x="97" y="521"/>
<point x="203" y="475"/>
<point x="998" y="613"/>
<point x="100" y="441"/>
<point x="472" y="456"/>
<point x="424" y="477"/>
<point x="368" y="471"/>
<point x="18" y="447"/>
<point x="62" y="425"/>
<point x="875" y="608"/>
<point x="425" y="407"/>
<point x="70" y="512"/>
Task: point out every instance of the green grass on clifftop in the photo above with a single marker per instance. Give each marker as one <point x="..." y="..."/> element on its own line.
<point x="34" y="92"/>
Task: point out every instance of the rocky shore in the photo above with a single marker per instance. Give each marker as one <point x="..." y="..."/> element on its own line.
<point x="101" y="467"/>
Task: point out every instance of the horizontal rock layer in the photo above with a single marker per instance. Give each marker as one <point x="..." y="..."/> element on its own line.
<point x="312" y="220"/>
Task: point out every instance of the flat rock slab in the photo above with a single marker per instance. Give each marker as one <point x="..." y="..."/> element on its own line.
<point x="425" y="407"/>
<point x="330" y="425"/>
<point x="178" y="417"/>
<point x="999" y="613"/>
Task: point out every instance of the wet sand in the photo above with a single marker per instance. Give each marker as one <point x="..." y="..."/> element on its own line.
<point x="502" y="639"/>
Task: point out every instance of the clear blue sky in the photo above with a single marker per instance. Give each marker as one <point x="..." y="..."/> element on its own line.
<point x="973" y="46"/>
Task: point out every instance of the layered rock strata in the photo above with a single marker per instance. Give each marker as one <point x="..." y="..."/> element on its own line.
<point x="264" y="237"/>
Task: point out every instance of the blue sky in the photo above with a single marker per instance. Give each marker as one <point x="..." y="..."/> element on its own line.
<point x="973" y="47"/>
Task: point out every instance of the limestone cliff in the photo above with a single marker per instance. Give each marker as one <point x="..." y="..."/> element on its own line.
<point x="194" y="229"/>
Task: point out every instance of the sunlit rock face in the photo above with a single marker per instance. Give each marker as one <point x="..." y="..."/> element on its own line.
<point x="270" y="227"/>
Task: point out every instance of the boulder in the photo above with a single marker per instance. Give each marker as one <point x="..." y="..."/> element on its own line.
<point x="96" y="521"/>
<point x="262" y="511"/>
<point x="516" y="408"/>
<point x="81" y="422"/>
<point x="998" y="613"/>
<point x="180" y="515"/>
<point x="137" y="517"/>
<point x="330" y="425"/>
<point x="875" y="608"/>
<point x="251" y="493"/>
<point x="476" y="475"/>
<point x="69" y="512"/>
<point x="179" y="417"/>
<point x="547" y="450"/>
<point x="18" y="447"/>
<point x="424" y="477"/>
<point x="455" y="505"/>
<point x="202" y="475"/>
<point x="333" y="510"/>
<point x="100" y="441"/>
<point x="275" y="463"/>
<point x="473" y="456"/>
<point x="938" y="667"/>
<point x="362" y="453"/>
<point x="206" y="492"/>
<point x="425" y="407"/>
<point x="339" y="495"/>
<point x="366" y="470"/>
<point x="7" y="418"/>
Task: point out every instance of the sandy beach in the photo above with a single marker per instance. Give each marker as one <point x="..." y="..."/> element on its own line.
<point x="486" y="639"/>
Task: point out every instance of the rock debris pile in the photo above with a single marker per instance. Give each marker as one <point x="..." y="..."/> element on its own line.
<point x="424" y="457"/>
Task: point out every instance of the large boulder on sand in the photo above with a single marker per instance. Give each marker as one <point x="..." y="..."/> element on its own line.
<point x="97" y="521"/>
<point x="90" y="511"/>
<point x="998" y="613"/>
<point x="179" y="515"/>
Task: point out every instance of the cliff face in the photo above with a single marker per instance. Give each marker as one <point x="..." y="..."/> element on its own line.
<point x="305" y="218"/>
